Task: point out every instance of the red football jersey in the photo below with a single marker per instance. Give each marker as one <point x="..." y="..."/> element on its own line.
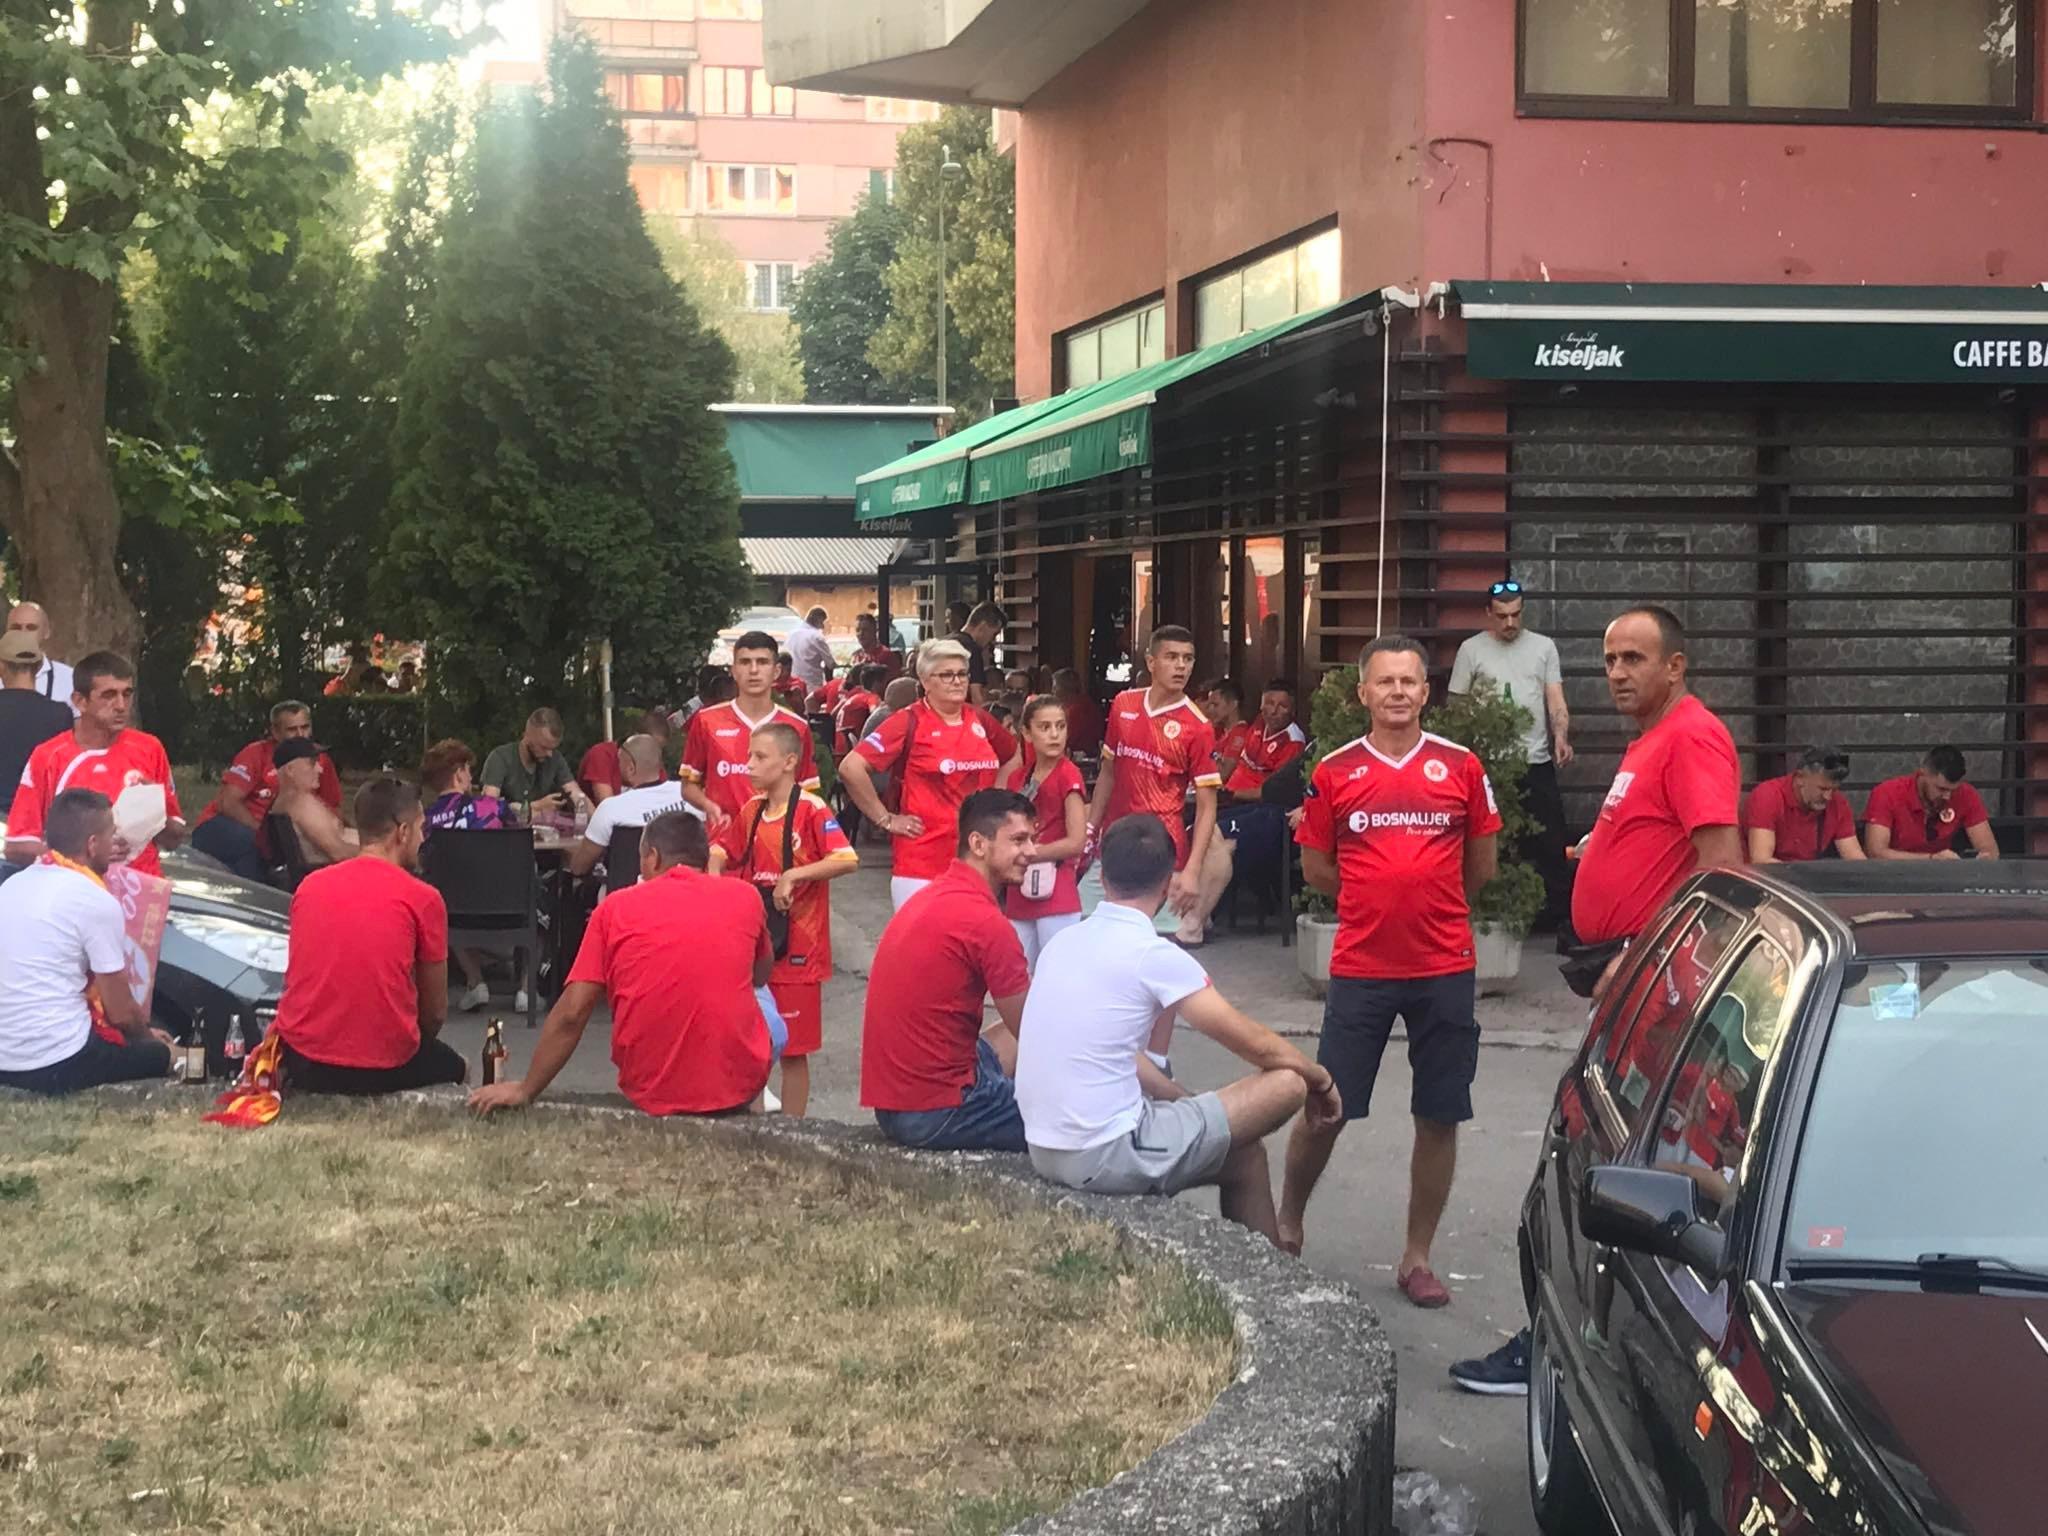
<point x="817" y="836"/>
<point x="942" y="766"/>
<point x="1265" y="756"/>
<point x="1050" y="796"/>
<point x="1160" y="755"/>
<point x="850" y="719"/>
<point x="715" y="752"/>
<point x="134" y="757"/>
<point x="254" y="771"/>
<point x="1230" y="747"/>
<point x="1398" y="831"/>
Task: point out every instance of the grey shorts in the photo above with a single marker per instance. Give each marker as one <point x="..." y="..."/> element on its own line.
<point x="1178" y="1144"/>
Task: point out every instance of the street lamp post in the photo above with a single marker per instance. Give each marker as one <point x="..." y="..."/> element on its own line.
<point x="948" y="169"/>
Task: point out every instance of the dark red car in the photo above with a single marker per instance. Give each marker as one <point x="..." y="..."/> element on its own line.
<point x="1786" y="1252"/>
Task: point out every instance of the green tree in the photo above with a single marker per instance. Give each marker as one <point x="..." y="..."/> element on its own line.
<point x="764" y="342"/>
<point x="842" y="303"/>
<point x="98" y="155"/>
<point x="560" y="478"/>
<point x="981" y="264"/>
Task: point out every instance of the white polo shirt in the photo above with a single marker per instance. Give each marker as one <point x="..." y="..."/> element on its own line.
<point x="635" y="808"/>
<point x="1099" y="989"/>
<point x="57" y="931"/>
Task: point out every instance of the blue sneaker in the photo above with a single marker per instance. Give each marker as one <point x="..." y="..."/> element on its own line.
<point x="1504" y="1373"/>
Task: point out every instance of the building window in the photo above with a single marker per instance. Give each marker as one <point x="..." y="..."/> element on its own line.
<point x="1288" y="282"/>
<point x="750" y="189"/>
<point x="1869" y="60"/>
<point x="731" y="92"/>
<point x="1113" y="347"/>
<point x="770" y="284"/>
<point x="662" y="189"/>
<point x="891" y="109"/>
<point x="647" y="94"/>
<point x="881" y="186"/>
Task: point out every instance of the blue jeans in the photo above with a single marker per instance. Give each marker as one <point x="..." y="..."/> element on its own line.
<point x="986" y="1119"/>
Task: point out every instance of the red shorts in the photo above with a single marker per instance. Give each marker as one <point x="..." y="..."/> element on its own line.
<point x="803" y="1010"/>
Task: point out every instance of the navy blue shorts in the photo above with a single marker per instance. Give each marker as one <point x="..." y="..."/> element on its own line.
<point x="1443" y="1041"/>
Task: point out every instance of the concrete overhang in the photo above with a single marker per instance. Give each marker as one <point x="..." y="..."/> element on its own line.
<point x="995" y="53"/>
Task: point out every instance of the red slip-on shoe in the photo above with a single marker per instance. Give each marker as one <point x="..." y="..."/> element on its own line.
<point x="1421" y="1286"/>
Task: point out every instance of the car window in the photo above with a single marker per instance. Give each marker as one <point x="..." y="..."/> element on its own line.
<point x="1925" y="1132"/>
<point x="1710" y="1105"/>
<point x="1644" y="1041"/>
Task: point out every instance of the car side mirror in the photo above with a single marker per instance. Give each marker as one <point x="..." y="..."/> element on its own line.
<point x="1652" y="1211"/>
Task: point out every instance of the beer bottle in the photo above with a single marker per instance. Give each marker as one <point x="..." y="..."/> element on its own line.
<point x="494" y="1052"/>
<point x="191" y="1063"/>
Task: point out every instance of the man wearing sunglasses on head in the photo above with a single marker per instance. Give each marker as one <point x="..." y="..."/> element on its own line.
<point x="1523" y="667"/>
<point x="1803" y="814"/>
<point x="1918" y="815"/>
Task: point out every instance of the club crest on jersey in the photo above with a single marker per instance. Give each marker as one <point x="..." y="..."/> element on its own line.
<point x="1948" y="812"/>
<point x="1171" y="730"/>
<point x="978" y="730"/>
<point x="1435" y="771"/>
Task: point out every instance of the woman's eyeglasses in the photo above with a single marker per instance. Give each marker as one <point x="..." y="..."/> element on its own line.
<point x="946" y="677"/>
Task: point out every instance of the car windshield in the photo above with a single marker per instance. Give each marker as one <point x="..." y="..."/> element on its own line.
<point x="1926" y="1133"/>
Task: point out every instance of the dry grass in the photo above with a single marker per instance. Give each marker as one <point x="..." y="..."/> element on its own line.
<point x="384" y="1320"/>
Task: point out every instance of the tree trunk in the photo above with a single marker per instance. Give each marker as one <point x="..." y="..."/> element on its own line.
<point x="58" y="498"/>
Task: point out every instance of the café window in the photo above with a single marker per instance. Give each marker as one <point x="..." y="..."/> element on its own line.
<point x="1857" y="60"/>
<point x="750" y="189"/>
<point x="1287" y="282"/>
<point x="1133" y="340"/>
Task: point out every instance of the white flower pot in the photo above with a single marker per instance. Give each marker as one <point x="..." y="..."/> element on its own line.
<point x="1497" y="954"/>
<point x="1315" y="938"/>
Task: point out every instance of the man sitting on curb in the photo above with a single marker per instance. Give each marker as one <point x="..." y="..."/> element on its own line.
<point x="1098" y="1114"/>
<point x="680" y="955"/>
<point x="932" y="1077"/>
<point x="68" y="1019"/>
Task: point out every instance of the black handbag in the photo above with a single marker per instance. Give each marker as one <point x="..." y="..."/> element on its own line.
<point x="778" y="920"/>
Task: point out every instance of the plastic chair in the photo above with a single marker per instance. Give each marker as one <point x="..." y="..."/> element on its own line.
<point x="491" y="884"/>
<point x="287" y="854"/>
<point x="622" y="859"/>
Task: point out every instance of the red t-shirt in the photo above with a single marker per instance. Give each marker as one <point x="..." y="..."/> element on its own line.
<point x="817" y="836"/>
<point x="1678" y="776"/>
<point x="254" y="772"/>
<point x="351" y="998"/>
<point x="600" y="767"/>
<point x="792" y="695"/>
<point x="883" y="656"/>
<point x="942" y="766"/>
<point x="1896" y="804"/>
<point x="676" y="956"/>
<point x="1265" y="756"/>
<point x="1398" y="829"/>
<point x="1802" y="834"/>
<point x="948" y="948"/>
<point x="1230" y="747"/>
<point x="1160" y="755"/>
<point x="133" y="757"/>
<point x="850" y="719"/>
<point x="1084" y="726"/>
<point x="1051" y="796"/>
<point x="715" y="752"/>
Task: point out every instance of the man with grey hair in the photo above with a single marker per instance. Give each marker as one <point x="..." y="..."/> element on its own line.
<point x="231" y="828"/>
<point x="646" y="795"/>
<point x="810" y="653"/>
<point x="937" y="752"/>
<point x="53" y="677"/>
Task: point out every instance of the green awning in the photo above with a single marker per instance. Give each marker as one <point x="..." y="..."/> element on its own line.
<point x="811" y="453"/>
<point x="1762" y="333"/>
<point x="1085" y="433"/>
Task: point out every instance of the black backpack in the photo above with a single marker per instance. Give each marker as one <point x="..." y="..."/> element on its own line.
<point x="778" y="920"/>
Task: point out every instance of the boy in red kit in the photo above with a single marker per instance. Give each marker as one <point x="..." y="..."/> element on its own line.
<point x="786" y="841"/>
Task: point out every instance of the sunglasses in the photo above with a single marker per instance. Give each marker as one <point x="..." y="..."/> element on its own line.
<point x="1505" y="589"/>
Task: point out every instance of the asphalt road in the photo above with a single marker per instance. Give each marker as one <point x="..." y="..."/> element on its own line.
<point x="1356" y="1222"/>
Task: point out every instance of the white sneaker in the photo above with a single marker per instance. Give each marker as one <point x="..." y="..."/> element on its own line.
<point x="769" y="1103"/>
<point x="519" y="1001"/>
<point x="476" y="997"/>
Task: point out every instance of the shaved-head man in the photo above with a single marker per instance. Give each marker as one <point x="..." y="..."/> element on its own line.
<point x="53" y="678"/>
<point x="647" y="794"/>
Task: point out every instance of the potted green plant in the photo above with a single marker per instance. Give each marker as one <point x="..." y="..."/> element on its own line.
<point x="1491" y="726"/>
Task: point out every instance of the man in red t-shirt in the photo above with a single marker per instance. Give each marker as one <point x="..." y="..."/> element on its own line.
<point x="927" y="1070"/>
<point x="782" y="818"/>
<point x="1084" y="715"/>
<point x="936" y="752"/>
<point x="601" y="773"/>
<point x="231" y="828"/>
<point x="98" y="752"/>
<point x="1803" y="814"/>
<point x="1672" y="807"/>
<point x="1918" y="815"/>
<point x="1223" y="703"/>
<point x="679" y="955"/>
<point x="788" y="688"/>
<point x="867" y="634"/>
<point x="1156" y="748"/>
<point x="1273" y="742"/>
<point x="862" y="696"/>
<point x="715" y="747"/>
<point x="1399" y="826"/>
<point x="366" y="987"/>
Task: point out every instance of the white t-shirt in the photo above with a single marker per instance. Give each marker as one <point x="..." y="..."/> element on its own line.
<point x="810" y="655"/>
<point x="1099" y="988"/>
<point x="1522" y="671"/>
<point x="635" y="808"/>
<point x="53" y="681"/>
<point x="57" y="931"/>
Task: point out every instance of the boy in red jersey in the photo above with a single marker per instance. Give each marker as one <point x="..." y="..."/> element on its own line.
<point x="721" y="736"/>
<point x="938" y="751"/>
<point x="1399" y="826"/>
<point x="1157" y="746"/>
<point x="99" y="752"/>
<point x="780" y="817"/>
